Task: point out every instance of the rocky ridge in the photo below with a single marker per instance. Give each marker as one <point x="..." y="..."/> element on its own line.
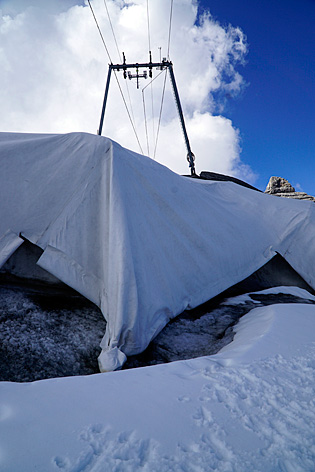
<point x="280" y="187"/>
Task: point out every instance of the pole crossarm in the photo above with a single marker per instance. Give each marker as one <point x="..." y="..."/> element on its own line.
<point x="146" y="65"/>
<point x="164" y="64"/>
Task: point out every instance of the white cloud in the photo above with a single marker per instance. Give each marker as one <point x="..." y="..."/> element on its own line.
<point x="298" y="187"/>
<point x="53" y="69"/>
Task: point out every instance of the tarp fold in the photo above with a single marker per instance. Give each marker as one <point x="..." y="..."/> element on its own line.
<point x="139" y="241"/>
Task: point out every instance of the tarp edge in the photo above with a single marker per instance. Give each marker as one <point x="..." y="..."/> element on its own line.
<point x="9" y="243"/>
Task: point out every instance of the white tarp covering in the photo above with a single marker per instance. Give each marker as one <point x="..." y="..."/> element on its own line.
<point x="139" y="241"/>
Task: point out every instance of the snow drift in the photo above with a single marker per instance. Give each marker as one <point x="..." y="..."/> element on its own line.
<point x="139" y="241"/>
<point x="248" y="408"/>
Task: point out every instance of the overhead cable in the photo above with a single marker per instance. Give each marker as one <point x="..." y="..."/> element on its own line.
<point x="145" y="124"/>
<point x="111" y="25"/>
<point x="119" y="55"/>
<point x="100" y="32"/>
<point x="169" y="30"/>
<point x="132" y="124"/>
<point x="151" y="83"/>
<point x="144" y="110"/>
<point x="160" y="116"/>
<point x="148" y="23"/>
<point x="119" y="86"/>
<point x="153" y="79"/>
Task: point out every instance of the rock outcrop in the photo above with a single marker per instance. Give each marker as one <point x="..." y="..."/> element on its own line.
<point x="282" y="188"/>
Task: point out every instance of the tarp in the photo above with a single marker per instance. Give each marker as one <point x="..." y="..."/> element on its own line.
<point x="138" y="240"/>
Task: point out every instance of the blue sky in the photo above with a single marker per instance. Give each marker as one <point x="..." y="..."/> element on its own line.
<point x="275" y="113"/>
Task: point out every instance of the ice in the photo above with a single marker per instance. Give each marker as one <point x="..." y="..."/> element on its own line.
<point x="256" y="412"/>
<point x="47" y="333"/>
<point x="50" y="332"/>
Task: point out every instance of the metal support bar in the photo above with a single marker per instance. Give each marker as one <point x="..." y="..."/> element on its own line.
<point x="138" y="76"/>
<point x="190" y="155"/>
<point x="145" y="65"/>
<point x="159" y="65"/>
<point x="99" y="131"/>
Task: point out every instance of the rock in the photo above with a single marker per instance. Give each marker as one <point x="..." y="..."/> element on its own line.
<point x="279" y="185"/>
<point x="282" y="188"/>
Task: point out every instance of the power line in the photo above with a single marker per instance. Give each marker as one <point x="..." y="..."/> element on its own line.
<point x="119" y="55"/>
<point x="152" y="111"/>
<point x="169" y="31"/>
<point x="162" y="101"/>
<point x="153" y="79"/>
<point x="111" y="25"/>
<point x="149" y="43"/>
<point x="119" y="86"/>
<point x="132" y="124"/>
<point x="145" y="123"/>
<point x="100" y="32"/>
<point x="144" y="109"/>
<point x="148" y="22"/>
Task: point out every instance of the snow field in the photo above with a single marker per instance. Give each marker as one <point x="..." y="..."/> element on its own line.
<point x="249" y="407"/>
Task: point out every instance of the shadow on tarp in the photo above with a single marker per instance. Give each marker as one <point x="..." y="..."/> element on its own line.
<point x="49" y="330"/>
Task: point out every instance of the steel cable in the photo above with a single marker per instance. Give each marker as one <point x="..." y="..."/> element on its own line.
<point x="118" y="83"/>
<point x="160" y="116"/>
<point x="169" y="30"/>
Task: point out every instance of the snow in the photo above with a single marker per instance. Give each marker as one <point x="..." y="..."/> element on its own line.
<point x="249" y="407"/>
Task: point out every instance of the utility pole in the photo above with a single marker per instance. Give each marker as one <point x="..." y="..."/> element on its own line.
<point x="164" y="64"/>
